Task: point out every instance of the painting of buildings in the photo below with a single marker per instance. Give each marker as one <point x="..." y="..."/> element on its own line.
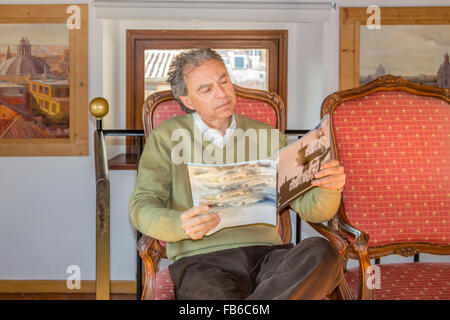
<point x="34" y="85"/>
<point x="419" y="53"/>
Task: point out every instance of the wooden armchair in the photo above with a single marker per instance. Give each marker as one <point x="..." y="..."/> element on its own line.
<point x="256" y="104"/>
<point x="393" y="138"/>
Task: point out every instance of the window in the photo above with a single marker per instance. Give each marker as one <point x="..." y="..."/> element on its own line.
<point x="247" y="68"/>
<point x="254" y="59"/>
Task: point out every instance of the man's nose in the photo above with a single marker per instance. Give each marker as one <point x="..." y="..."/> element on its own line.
<point x="220" y="91"/>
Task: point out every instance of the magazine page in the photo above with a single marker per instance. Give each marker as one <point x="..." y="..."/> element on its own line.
<point x="242" y="193"/>
<point x="299" y="161"/>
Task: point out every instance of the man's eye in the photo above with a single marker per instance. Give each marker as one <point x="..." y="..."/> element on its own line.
<point x="206" y="90"/>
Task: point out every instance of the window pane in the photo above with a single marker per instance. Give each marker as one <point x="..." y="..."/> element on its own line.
<point x="247" y="67"/>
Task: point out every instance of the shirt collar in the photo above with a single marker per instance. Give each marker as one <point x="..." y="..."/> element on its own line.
<point x="203" y="127"/>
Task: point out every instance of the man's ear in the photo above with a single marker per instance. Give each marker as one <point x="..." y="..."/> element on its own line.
<point x="187" y="102"/>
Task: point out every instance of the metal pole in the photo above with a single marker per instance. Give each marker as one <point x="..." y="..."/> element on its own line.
<point x="99" y="125"/>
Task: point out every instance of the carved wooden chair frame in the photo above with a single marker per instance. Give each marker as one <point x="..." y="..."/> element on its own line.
<point x="152" y="251"/>
<point x="360" y="239"/>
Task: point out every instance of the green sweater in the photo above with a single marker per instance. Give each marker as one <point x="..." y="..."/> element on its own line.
<point x="163" y="192"/>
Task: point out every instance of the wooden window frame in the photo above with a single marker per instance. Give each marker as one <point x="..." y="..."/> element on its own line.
<point x="140" y="40"/>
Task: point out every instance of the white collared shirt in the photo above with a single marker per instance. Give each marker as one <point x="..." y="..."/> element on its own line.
<point x="214" y="135"/>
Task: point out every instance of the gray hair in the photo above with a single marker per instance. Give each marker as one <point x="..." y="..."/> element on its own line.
<point x="182" y="64"/>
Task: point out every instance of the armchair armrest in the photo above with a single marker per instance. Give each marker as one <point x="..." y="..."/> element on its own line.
<point x="151" y="252"/>
<point x="358" y="248"/>
<point x="337" y="240"/>
<point x="285" y="224"/>
<point x="342" y="245"/>
<point x="360" y="244"/>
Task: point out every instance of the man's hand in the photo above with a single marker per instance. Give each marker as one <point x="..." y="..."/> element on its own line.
<point x="195" y="224"/>
<point x="331" y="175"/>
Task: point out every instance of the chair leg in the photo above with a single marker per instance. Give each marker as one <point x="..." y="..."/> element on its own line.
<point x="344" y="291"/>
<point x="341" y="292"/>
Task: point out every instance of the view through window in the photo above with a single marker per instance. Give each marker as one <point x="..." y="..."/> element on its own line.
<point x="247" y="67"/>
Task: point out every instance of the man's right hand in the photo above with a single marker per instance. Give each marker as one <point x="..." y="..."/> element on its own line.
<point x="195" y="224"/>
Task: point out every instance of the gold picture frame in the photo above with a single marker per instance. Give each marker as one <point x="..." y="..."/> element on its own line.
<point x="74" y="89"/>
<point x="351" y="18"/>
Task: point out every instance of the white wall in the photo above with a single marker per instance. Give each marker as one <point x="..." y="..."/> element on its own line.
<point x="47" y="215"/>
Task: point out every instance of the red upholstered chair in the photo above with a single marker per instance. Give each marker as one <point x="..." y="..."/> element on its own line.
<point x="256" y="104"/>
<point x="393" y="138"/>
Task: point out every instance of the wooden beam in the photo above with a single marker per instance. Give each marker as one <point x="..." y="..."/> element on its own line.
<point x="59" y="286"/>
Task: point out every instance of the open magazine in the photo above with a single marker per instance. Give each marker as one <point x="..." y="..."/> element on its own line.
<point x="252" y="192"/>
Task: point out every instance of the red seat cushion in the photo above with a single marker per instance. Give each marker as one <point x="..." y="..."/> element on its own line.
<point x="408" y="281"/>
<point x="164" y="289"/>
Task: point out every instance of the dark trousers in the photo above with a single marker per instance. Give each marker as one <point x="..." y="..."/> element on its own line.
<point x="310" y="270"/>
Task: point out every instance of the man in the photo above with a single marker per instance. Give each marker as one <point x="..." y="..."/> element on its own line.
<point x="245" y="262"/>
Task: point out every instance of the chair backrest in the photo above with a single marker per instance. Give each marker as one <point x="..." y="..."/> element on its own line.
<point x="260" y="105"/>
<point x="393" y="138"/>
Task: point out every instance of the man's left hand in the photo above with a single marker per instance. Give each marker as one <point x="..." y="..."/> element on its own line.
<point x="331" y="175"/>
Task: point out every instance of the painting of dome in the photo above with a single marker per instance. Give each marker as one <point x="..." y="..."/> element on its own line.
<point x="418" y="53"/>
<point x="29" y="88"/>
<point x="443" y="73"/>
<point x="380" y="71"/>
<point x="24" y="62"/>
<point x="44" y="73"/>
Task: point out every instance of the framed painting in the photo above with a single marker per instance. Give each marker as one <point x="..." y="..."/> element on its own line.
<point x="412" y="42"/>
<point x="44" y="80"/>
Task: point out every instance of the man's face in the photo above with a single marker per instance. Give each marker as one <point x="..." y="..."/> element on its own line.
<point x="210" y="91"/>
